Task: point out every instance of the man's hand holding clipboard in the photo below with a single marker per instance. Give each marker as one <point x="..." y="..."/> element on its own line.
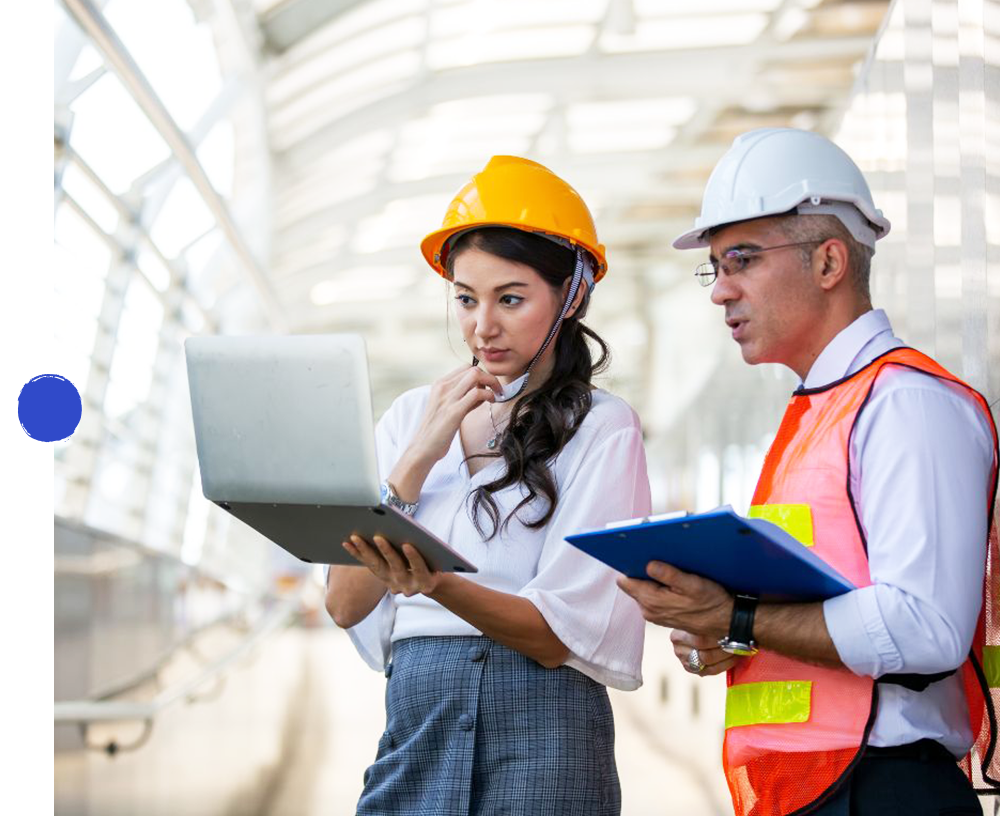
<point x="703" y="574"/>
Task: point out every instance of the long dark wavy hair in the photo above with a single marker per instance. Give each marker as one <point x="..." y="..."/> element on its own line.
<point x="544" y="420"/>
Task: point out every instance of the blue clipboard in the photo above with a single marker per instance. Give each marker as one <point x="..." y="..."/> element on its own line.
<point x="744" y="555"/>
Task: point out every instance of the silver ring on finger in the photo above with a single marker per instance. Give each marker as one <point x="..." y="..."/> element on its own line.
<point x="694" y="662"/>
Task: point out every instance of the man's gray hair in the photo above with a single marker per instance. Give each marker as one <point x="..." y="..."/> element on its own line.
<point x="797" y="228"/>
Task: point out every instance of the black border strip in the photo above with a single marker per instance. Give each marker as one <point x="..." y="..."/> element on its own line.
<point x="991" y="748"/>
<point x="836" y="785"/>
<point x="987" y="697"/>
<point x="984" y="686"/>
<point x="847" y="456"/>
<point x="804" y="392"/>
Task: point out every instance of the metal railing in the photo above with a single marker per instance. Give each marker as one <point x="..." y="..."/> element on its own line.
<point x="105" y="705"/>
<point x="97" y="710"/>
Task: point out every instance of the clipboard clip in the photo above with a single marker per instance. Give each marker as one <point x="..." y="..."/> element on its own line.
<point x="675" y="514"/>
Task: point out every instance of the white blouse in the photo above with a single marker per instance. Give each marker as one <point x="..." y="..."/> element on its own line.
<point x="601" y="477"/>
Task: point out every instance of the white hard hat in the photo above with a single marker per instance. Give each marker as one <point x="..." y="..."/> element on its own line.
<point x="770" y="171"/>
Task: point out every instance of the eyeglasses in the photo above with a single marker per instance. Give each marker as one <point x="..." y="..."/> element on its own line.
<point x="736" y="260"/>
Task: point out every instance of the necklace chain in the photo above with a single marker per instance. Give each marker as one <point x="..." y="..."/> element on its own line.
<point x="493" y="440"/>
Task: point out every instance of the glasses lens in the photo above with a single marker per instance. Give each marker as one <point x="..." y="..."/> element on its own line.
<point x="734" y="261"/>
<point x="705" y="274"/>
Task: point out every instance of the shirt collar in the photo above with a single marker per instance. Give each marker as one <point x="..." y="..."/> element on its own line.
<point x="843" y="355"/>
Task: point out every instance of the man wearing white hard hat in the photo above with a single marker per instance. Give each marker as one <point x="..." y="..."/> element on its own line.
<point x="882" y="700"/>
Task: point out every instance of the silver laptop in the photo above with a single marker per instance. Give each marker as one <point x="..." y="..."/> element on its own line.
<point x="286" y="444"/>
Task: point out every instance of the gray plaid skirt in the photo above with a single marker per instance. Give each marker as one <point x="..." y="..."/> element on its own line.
<point x="473" y="727"/>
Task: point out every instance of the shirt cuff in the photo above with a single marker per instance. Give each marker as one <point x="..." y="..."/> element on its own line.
<point x="858" y="631"/>
<point x="372" y="636"/>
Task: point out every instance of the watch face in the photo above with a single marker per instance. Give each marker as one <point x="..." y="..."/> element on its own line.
<point x="383" y="491"/>
<point x="735" y="647"/>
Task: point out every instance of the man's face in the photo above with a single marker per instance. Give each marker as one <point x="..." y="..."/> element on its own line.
<point x="773" y="305"/>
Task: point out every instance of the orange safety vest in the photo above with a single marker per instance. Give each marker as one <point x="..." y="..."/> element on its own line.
<point x="794" y="731"/>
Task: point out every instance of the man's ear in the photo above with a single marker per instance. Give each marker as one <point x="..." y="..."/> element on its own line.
<point x="829" y="263"/>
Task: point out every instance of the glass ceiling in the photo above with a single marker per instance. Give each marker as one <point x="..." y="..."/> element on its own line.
<point x="332" y="135"/>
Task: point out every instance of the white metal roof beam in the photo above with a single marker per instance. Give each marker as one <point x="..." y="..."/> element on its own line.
<point x="96" y="26"/>
<point x="627" y="175"/>
<point x="695" y="72"/>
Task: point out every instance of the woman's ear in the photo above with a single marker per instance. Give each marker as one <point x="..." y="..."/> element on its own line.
<point x="581" y="293"/>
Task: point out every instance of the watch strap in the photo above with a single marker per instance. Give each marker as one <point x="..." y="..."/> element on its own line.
<point x="740" y="640"/>
<point x="391" y="498"/>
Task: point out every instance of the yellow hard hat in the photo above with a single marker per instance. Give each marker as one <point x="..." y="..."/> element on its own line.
<point x="515" y="192"/>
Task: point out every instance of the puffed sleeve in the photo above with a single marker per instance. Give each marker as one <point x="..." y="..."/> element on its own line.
<point x="578" y="595"/>
<point x="372" y="636"/>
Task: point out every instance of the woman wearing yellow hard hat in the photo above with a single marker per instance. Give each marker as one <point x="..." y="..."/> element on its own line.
<point x="496" y="698"/>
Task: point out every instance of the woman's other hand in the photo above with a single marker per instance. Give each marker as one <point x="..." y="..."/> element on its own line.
<point x="406" y="574"/>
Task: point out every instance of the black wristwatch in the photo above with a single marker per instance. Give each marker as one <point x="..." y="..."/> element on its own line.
<point x="740" y="640"/>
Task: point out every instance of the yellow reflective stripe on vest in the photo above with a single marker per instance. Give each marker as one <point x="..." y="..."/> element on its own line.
<point x="794" y="519"/>
<point x="781" y="701"/>
<point x="991" y="665"/>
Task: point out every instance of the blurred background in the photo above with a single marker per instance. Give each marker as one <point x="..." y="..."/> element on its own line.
<point x="269" y="166"/>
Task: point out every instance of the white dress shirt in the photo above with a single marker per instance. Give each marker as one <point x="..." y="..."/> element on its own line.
<point x="921" y="455"/>
<point x="601" y="477"/>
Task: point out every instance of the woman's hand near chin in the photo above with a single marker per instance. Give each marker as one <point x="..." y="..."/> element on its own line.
<point x="451" y="398"/>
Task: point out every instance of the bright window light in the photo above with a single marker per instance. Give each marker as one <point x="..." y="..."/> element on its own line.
<point x="81" y="264"/>
<point x="401" y="223"/>
<point x="632" y="112"/>
<point x="88" y="61"/>
<point x="216" y="156"/>
<point x="610" y="141"/>
<point x="687" y="32"/>
<point x="336" y="98"/>
<point x="363" y="283"/>
<point x="676" y="8"/>
<point x="498" y="46"/>
<point x="136" y="344"/>
<point x="359" y="18"/>
<point x="633" y="124"/>
<point x="173" y="51"/>
<point x="116" y="154"/>
<point x="311" y="199"/>
<point x="82" y="261"/>
<point x="73" y="365"/>
<point x="459" y="136"/>
<point x="400" y="35"/>
<point x="323" y="249"/>
<point x="490" y="16"/>
<point x="497" y="105"/>
<point x="90" y="197"/>
<point x="196" y="524"/>
<point x="152" y="267"/>
<point x="184" y="218"/>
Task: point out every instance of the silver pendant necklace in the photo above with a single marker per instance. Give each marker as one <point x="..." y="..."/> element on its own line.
<point x="494" y="440"/>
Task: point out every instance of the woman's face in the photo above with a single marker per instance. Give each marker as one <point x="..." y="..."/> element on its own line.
<point x="505" y="310"/>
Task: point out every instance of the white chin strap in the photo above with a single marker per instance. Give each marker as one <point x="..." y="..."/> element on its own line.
<point x="584" y="272"/>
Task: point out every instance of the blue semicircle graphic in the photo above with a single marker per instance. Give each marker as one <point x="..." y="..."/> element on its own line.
<point x="48" y="408"/>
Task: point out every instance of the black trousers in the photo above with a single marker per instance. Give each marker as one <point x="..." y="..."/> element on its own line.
<point x="921" y="779"/>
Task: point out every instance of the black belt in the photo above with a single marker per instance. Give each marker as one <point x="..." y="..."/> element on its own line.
<point x="924" y="750"/>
